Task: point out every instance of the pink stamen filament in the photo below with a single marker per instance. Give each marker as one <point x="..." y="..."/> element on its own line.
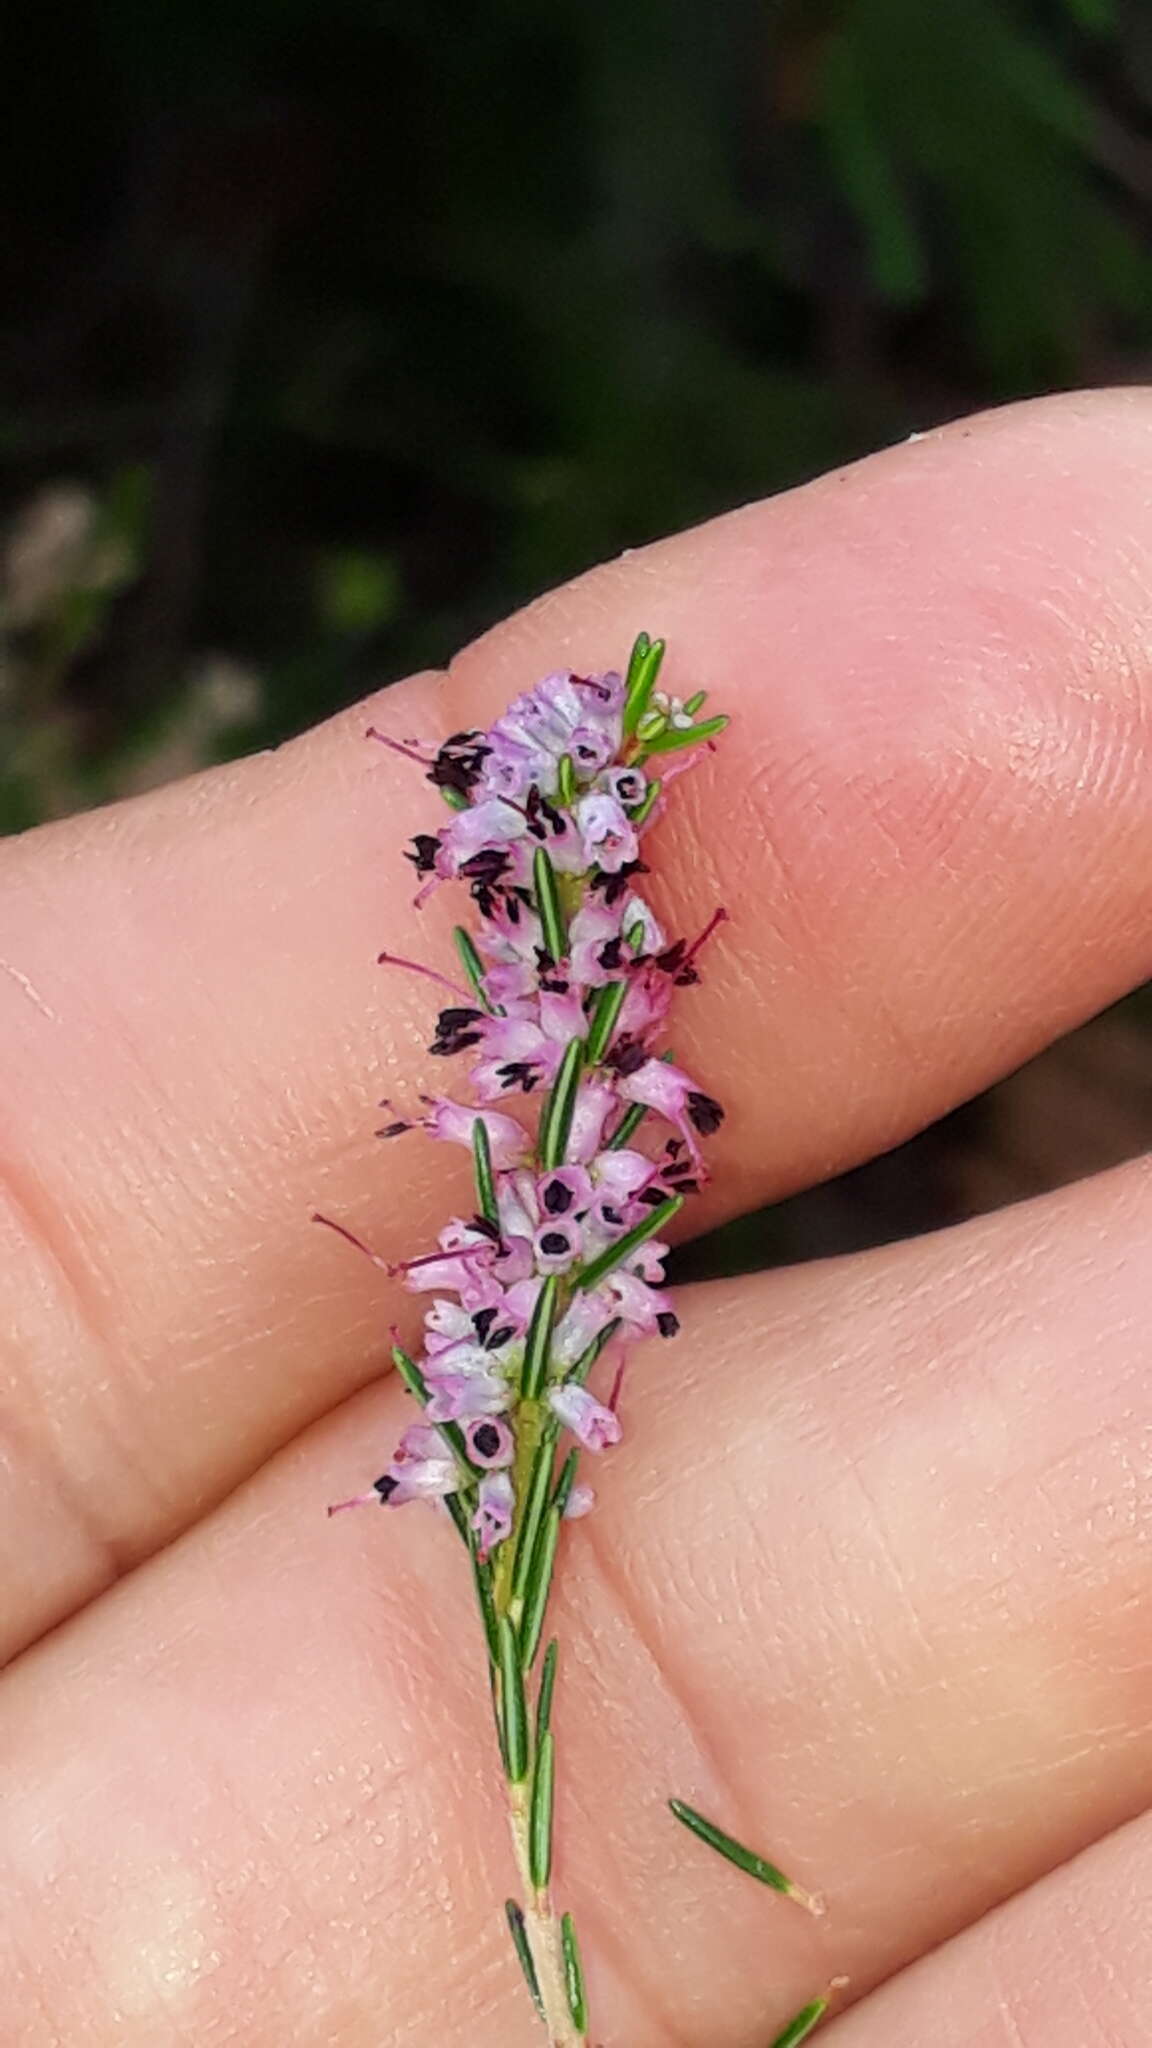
<point x="407" y="748"/>
<point x="466" y="1252"/>
<point x="718" y="917"/>
<point x="618" y="1382"/>
<point x="351" y="1238"/>
<point x="430" y="974"/>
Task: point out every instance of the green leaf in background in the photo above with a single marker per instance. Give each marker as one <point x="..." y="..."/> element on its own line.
<point x="356" y="593"/>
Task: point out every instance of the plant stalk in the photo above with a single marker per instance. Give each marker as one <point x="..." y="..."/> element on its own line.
<point x="543" y="1930"/>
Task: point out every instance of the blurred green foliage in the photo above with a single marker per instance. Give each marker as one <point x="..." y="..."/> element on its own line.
<point x="331" y="332"/>
<point x="356" y="324"/>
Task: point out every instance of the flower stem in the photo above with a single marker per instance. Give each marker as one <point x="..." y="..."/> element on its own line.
<point x="544" y="1933"/>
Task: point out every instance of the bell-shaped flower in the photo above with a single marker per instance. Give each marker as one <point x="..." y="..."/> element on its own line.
<point x="607" y="833"/>
<point x="495" y="1506"/>
<point x="674" y="1095"/>
<point x="590" y="1421"/>
<point x="491" y="1444"/>
<point x="508" y="1142"/>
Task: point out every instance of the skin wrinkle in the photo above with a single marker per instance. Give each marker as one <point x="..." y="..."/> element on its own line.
<point x="602" y="1938"/>
<point x="43" y="1466"/>
<point x="883" y="1545"/>
<point x="598" y="1554"/>
<point x="45" y="1226"/>
<point x="1013" y="2037"/>
<point x="29" y="989"/>
<point x="1102" y="1962"/>
<point x="1021" y="1967"/>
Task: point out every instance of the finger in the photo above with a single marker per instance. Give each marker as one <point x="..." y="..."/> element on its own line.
<point x="931" y="825"/>
<point x="1067" y="1962"/>
<point x="867" y="1584"/>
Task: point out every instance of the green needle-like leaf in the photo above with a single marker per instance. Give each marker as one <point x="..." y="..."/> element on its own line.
<point x="587" y="1359"/>
<point x="532" y="1515"/>
<point x="640" y="647"/>
<point x="539" y="1340"/>
<point x="743" y="1858"/>
<point x="615" y="1254"/>
<point x="556" y="1121"/>
<point x="650" y="727"/>
<point x="519" y="1933"/>
<point x="459" y="1514"/>
<point x="482" y="1166"/>
<point x="547" y="1688"/>
<point x="548" y="904"/>
<point x="566" y="780"/>
<point x="538" y="1588"/>
<point x="628" y="1125"/>
<point x="540" y="1814"/>
<point x="566" y="1481"/>
<point x="675" y="737"/>
<point x="513" y="1709"/>
<point x="605" y="1013"/>
<point x="798" y="2029"/>
<point x="473" y="967"/>
<point x="408" y="1370"/>
<point x="482" y="1580"/>
<point x="643" y="670"/>
<point x="574" y="1975"/>
<point x="454" y="799"/>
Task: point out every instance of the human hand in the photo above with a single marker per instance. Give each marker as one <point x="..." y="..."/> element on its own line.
<point x="867" y="1581"/>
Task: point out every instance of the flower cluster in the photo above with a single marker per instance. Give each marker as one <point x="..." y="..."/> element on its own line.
<point x="585" y="1140"/>
<point x="569" y="982"/>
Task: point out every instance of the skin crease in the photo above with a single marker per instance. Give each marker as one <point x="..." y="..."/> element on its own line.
<point x="869" y="1575"/>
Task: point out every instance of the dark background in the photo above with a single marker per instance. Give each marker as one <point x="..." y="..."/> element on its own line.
<point x="331" y="332"/>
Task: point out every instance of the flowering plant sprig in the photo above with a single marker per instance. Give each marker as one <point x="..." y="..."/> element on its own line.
<point x="560" y="1269"/>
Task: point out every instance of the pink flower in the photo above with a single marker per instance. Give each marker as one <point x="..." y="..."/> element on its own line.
<point x="461" y="1272"/>
<point x="491" y="1444"/>
<point x="607" y="833"/>
<point x="595" y="1101"/>
<point x="493" y="823"/>
<point x="565" y="1191"/>
<point x="446" y="1323"/>
<point x="464" y="1396"/>
<point x="495" y="1504"/>
<point x="594" y="929"/>
<point x="582" y="1321"/>
<point x="595" y="1425"/>
<point x="524" y="1048"/>
<point x="620" y="1174"/>
<point x="508" y="1141"/>
<point x="544" y="832"/>
<point x="423" y="1469"/>
<point x="557" y="1245"/>
<point x="674" y="1094"/>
